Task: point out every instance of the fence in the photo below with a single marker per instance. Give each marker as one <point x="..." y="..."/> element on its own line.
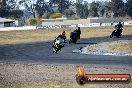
<point x="84" y="25"/>
<point x="18" y="28"/>
<point x="63" y="26"/>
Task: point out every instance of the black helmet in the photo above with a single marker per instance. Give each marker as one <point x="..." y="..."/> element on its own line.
<point x="119" y="22"/>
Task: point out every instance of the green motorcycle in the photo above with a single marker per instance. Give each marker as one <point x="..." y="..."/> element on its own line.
<point x="58" y="45"/>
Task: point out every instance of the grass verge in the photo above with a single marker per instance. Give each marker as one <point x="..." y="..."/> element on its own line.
<point x="124" y="46"/>
<point x="13" y="37"/>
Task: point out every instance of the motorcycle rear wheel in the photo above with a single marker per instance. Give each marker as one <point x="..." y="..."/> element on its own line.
<point x="111" y="36"/>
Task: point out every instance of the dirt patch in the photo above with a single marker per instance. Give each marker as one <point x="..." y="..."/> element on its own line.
<point x="120" y="47"/>
<point x="54" y="75"/>
<point x="38" y="76"/>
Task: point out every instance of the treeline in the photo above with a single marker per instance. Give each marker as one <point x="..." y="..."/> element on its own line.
<point x="10" y="9"/>
<point x="78" y="9"/>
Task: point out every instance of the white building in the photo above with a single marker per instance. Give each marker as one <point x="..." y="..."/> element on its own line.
<point x="18" y="23"/>
<point x="104" y="20"/>
<point x="57" y="21"/>
<point x="62" y="21"/>
<point x="6" y="22"/>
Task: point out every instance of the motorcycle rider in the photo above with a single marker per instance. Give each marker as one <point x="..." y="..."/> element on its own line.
<point x="64" y="35"/>
<point x="73" y="35"/>
<point x="61" y="38"/>
<point x="119" y="27"/>
<point x="78" y="31"/>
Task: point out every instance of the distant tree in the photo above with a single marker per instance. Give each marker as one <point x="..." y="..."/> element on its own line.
<point x="62" y="4"/>
<point x="69" y="13"/>
<point x="3" y="3"/>
<point x="129" y="8"/>
<point x="11" y="4"/>
<point x="85" y="10"/>
<point x="32" y="21"/>
<point x="55" y="15"/>
<point x="8" y="9"/>
<point x="102" y="11"/>
<point x="117" y="6"/>
<point x="43" y="8"/>
<point x="107" y="9"/>
<point x="3" y="9"/>
<point x="93" y="9"/>
<point x="101" y="8"/>
<point x="4" y="12"/>
<point x="79" y="7"/>
<point x="47" y="15"/>
<point x="75" y="17"/>
<point x="17" y="14"/>
<point x="40" y="7"/>
<point x="25" y="3"/>
<point x="29" y="5"/>
<point x="107" y="6"/>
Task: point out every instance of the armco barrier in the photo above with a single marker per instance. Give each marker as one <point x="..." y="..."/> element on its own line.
<point x="85" y="25"/>
<point x="64" y="26"/>
<point x="72" y="26"/>
<point x="54" y="26"/>
<point x="95" y="24"/>
<point x="18" y="28"/>
<point x="128" y="23"/>
<point x="105" y="24"/>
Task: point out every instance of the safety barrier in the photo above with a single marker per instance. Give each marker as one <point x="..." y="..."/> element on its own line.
<point x="83" y="25"/>
<point x="18" y="28"/>
<point x="64" y="26"/>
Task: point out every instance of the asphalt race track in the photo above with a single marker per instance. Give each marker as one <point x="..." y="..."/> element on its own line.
<point x="41" y="52"/>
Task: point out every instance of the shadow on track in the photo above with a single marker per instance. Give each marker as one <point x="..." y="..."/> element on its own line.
<point x="86" y="43"/>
